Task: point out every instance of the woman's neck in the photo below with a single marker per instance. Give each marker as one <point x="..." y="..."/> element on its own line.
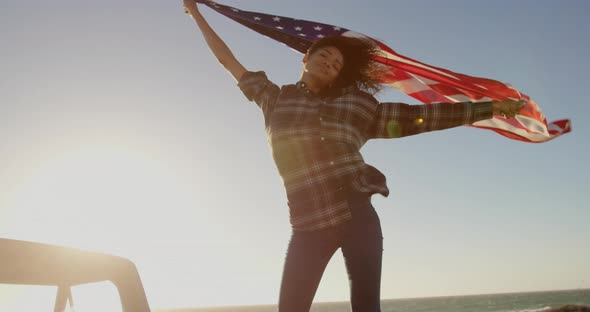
<point x="311" y="84"/>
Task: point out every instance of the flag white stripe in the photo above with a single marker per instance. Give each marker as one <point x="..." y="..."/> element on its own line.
<point x="402" y="60"/>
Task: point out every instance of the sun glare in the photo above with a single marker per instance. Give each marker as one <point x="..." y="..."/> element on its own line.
<point x="106" y="199"/>
<point x="120" y="199"/>
<point x="99" y="198"/>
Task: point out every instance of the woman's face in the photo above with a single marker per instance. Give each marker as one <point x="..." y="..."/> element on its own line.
<point x="324" y="65"/>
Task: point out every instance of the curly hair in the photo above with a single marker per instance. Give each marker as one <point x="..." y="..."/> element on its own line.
<point x="358" y="67"/>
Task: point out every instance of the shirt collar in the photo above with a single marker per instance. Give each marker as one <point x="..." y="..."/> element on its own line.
<point x="303" y="87"/>
<point x="336" y="93"/>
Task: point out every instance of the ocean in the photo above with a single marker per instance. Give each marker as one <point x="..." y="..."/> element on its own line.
<point x="512" y="302"/>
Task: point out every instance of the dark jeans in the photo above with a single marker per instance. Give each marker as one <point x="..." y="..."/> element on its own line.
<point x="308" y="254"/>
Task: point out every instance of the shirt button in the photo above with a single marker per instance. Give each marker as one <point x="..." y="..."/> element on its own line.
<point x="320" y="118"/>
<point x="331" y="163"/>
<point x="322" y="138"/>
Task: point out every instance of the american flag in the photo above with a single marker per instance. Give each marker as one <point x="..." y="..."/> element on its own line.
<point x="424" y="82"/>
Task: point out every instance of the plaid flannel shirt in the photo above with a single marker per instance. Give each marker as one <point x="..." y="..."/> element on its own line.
<point x="315" y="142"/>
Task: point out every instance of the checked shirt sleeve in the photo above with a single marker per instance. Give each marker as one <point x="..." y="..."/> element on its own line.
<point x="395" y="120"/>
<point x="256" y="87"/>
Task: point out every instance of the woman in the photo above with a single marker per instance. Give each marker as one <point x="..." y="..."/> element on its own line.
<point x="316" y="128"/>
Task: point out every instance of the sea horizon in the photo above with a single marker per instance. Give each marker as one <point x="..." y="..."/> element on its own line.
<point x="517" y="301"/>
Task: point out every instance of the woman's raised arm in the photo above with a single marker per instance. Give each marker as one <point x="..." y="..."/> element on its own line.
<point x="217" y="46"/>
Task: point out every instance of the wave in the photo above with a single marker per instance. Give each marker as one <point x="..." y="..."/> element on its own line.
<point x="533" y="310"/>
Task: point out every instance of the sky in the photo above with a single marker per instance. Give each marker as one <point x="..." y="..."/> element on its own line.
<point x="120" y="133"/>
